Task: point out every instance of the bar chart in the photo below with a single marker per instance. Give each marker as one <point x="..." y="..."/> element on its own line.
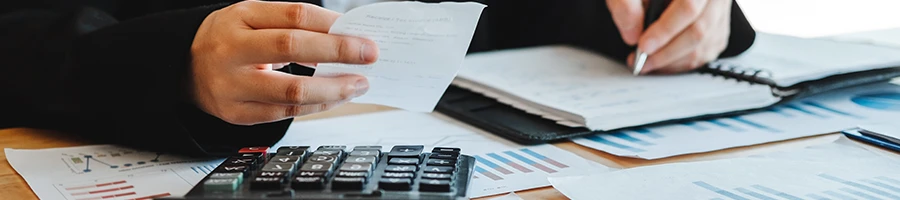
<point x="881" y="187"/>
<point x="522" y="168"/>
<point x="143" y="185"/>
<point x="797" y="119"/>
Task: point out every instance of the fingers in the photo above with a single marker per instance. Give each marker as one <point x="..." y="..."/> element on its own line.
<point x="284" y="15"/>
<point x="678" y="16"/>
<point x="699" y="43"/>
<point x="251" y="113"/>
<point x="286" y="45"/>
<point x="286" y="89"/>
<point x="629" y="18"/>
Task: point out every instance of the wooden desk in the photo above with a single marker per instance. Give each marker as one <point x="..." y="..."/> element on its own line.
<point x="12" y="186"/>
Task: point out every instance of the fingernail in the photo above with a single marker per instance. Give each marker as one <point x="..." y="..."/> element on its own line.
<point x="368" y="53"/>
<point x="650" y="46"/>
<point x="362" y="86"/>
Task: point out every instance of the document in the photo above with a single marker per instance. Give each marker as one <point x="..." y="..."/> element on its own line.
<point x="421" y="46"/>
<point x="821" y="114"/>
<point x="107" y="172"/>
<point x="502" y="166"/>
<point x="885" y="37"/>
<point x="840" y="170"/>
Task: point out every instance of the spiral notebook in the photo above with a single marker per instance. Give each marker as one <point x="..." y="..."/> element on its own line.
<point x="544" y="93"/>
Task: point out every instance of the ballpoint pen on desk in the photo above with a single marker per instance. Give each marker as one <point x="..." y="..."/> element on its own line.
<point x="654" y="10"/>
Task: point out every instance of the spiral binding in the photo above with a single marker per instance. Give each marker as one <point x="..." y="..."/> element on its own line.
<point x="739" y="73"/>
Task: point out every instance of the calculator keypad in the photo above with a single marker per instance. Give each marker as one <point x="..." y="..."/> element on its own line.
<point x="335" y="169"/>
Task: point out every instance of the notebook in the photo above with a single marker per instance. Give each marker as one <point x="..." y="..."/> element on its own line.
<point x="543" y="93"/>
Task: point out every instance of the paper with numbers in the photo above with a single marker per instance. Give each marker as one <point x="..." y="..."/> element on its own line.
<point x="421" y="47"/>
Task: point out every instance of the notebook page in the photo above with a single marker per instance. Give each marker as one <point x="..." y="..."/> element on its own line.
<point x="790" y="60"/>
<point x="578" y="85"/>
<point x="886" y="37"/>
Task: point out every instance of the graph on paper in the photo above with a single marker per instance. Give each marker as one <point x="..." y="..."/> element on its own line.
<point x="812" y="116"/>
<point x="872" y="188"/>
<point x="131" y="186"/>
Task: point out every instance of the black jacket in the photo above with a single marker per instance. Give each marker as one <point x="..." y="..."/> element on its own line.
<point x="117" y="71"/>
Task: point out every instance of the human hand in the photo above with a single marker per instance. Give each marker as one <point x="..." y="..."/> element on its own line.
<point x="238" y="48"/>
<point x="688" y="34"/>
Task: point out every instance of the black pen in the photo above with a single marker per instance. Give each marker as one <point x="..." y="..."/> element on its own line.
<point x="654" y="10"/>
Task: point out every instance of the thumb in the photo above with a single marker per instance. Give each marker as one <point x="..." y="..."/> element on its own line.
<point x="629" y="18"/>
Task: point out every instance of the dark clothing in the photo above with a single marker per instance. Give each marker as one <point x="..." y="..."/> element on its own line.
<point x="119" y="71"/>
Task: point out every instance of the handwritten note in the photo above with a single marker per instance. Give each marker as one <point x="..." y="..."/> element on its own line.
<point x="421" y="46"/>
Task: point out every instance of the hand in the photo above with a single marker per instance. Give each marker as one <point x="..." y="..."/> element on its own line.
<point x="237" y="49"/>
<point x="688" y="34"/>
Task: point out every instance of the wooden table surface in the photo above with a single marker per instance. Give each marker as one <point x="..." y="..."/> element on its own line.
<point x="12" y="186"/>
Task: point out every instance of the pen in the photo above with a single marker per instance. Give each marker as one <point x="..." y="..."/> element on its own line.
<point x="654" y="10"/>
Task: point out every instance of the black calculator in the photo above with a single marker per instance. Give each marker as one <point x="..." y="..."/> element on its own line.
<point x="336" y="172"/>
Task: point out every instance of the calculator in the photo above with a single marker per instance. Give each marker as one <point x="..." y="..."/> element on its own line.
<point x="336" y="172"/>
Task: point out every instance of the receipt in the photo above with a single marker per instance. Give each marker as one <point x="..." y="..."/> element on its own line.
<point x="421" y="48"/>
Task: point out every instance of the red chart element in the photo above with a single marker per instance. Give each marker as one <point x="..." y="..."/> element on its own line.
<point x="152" y="196"/>
<point x="95" y="185"/>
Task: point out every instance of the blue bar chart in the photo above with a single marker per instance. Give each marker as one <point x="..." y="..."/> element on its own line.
<point x="792" y="120"/>
<point x="873" y="188"/>
<point x="523" y="168"/>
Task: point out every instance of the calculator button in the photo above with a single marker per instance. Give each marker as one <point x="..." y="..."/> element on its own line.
<point x="266" y="183"/>
<point x="360" y="159"/>
<point x="256" y="156"/>
<point x="436" y="176"/>
<point x="356" y="167"/>
<point x="404" y="161"/>
<point x="347" y="183"/>
<point x="312" y="174"/>
<point x="401" y="168"/>
<point x="353" y="174"/>
<point x="233" y="169"/>
<point x="446" y="150"/>
<point x="365" y="153"/>
<point x="437" y="169"/>
<point x="398" y="175"/>
<point x="395" y="183"/>
<point x="329" y="152"/>
<point x="272" y="174"/>
<point x="256" y="150"/>
<point x="434" y="185"/>
<point x="237" y="161"/>
<point x="439" y="162"/>
<point x="279" y="167"/>
<point x="321" y="158"/>
<point x="442" y="156"/>
<point x="226" y="175"/>
<point x="317" y="167"/>
<point x="292" y="151"/>
<point x="406" y="151"/>
<point x="285" y="160"/>
<point x="221" y="184"/>
<point x="332" y="147"/>
<point x="367" y="148"/>
<point x="308" y="183"/>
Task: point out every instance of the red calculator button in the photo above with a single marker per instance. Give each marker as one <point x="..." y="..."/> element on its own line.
<point x="261" y="150"/>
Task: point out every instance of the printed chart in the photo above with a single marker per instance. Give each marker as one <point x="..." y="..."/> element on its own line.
<point x="107" y="172"/>
<point x="817" y="115"/>
<point x="523" y="168"/>
<point x="881" y="187"/>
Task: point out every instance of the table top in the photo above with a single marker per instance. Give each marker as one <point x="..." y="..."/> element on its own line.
<point x="12" y="185"/>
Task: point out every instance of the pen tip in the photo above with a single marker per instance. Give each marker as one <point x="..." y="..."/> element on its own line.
<point x="639" y="59"/>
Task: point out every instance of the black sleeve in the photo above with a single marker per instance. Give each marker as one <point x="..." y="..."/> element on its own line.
<point x="583" y="23"/>
<point x="82" y="71"/>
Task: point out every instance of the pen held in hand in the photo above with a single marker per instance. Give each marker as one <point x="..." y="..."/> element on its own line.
<point x="651" y="14"/>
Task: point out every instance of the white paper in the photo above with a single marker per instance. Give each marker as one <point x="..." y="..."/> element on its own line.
<point x="575" y="86"/>
<point x="821" y="114"/>
<point x="818" y="18"/>
<point x="93" y="172"/>
<point x="421" y="47"/>
<point x="885" y="37"/>
<point x="832" y="171"/>
<point x="502" y="167"/>
<point x="789" y="60"/>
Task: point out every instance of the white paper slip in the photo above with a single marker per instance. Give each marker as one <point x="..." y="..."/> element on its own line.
<point x="502" y="166"/>
<point x="833" y="171"/>
<point x="95" y="172"/>
<point x="826" y="113"/>
<point x="421" y="47"/>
